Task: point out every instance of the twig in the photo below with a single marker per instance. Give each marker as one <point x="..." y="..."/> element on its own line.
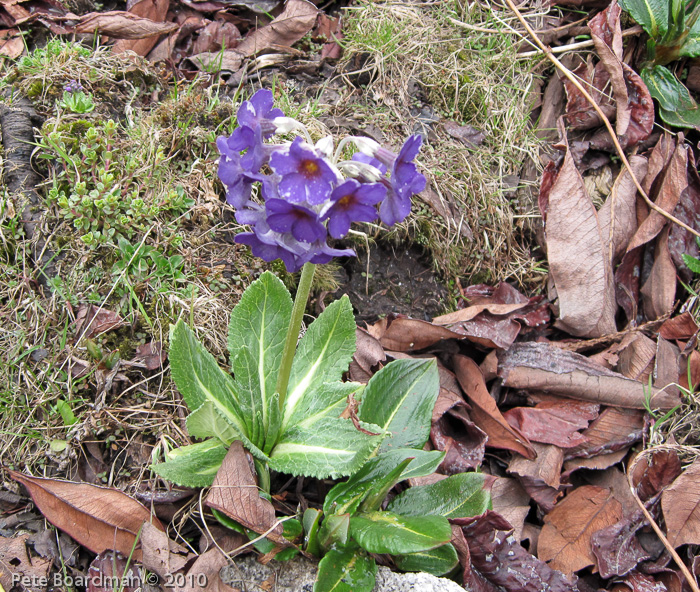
<point x="564" y="70"/>
<point x="669" y="547"/>
<point x="580" y="45"/>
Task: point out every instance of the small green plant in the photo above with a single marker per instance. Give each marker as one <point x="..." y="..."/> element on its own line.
<point x="76" y="100"/>
<point x="674" y="32"/>
<point x="55" y="51"/>
<point x="101" y="189"/>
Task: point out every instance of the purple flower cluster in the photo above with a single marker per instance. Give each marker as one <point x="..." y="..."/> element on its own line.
<point x="73" y="87"/>
<point x="308" y="197"/>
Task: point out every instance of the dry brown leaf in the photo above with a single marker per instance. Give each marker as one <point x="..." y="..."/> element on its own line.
<point x="680" y="327"/>
<point x="541" y="477"/>
<point x="297" y="19"/>
<point x="453" y="431"/>
<point x="467" y="314"/>
<point x="667" y="367"/>
<point x="154" y="10"/>
<point x="580" y="269"/>
<point x="613" y="431"/>
<point x="485" y="412"/>
<point x="110" y="568"/>
<point x="11" y="43"/>
<point x="554" y="422"/>
<point x="615" y="480"/>
<point x="91" y="321"/>
<point x="235" y="493"/>
<point x="14" y="561"/>
<point x="659" y="291"/>
<point x="160" y="553"/>
<point x="598" y="462"/>
<point x="531" y="474"/>
<point x="98" y="518"/>
<point x="122" y="25"/>
<point x="680" y="503"/>
<point x="546" y="368"/>
<point x="209" y="565"/>
<point x="674" y="182"/>
<point x="654" y="472"/>
<point x="151" y="354"/>
<point x="624" y="195"/>
<point x="368" y="354"/>
<point x="636" y="355"/>
<point x="565" y="540"/>
<point x="607" y="38"/>
<point x="512" y="502"/>
<point x="400" y="333"/>
<point x="659" y="158"/>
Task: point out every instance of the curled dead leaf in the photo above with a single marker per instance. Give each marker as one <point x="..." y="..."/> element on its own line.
<point x="122" y="25"/>
<point x="235" y="493"/>
<point x="99" y="518"/>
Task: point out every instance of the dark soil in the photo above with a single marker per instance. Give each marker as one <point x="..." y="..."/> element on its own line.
<point x="397" y="280"/>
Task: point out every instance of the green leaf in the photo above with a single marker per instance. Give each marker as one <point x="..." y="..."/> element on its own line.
<point x="347" y="496"/>
<point x="323" y="355"/>
<point x="334" y="531"/>
<point x="200" y="379"/>
<point x="259" y="323"/>
<point x="228" y="522"/>
<point x="385" y="532"/>
<point x="692" y="263"/>
<point x="681" y="118"/>
<point x="324" y="399"/>
<point x="248" y="386"/>
<point x="667" y="89"/>
<point x="652" y="15"/>
<point x="400" y="399"/>
<point x="207" y="422"/>
<point x="458" y="496"/>
<point x="438" y="561"/>
<point x="331" y="447"/>
<point x="691" y="48"/>
<point x="375" y="496"/>
<point x="346" y="570"/>
<point x="311" y="522"/>
<point x="195" y="465"/>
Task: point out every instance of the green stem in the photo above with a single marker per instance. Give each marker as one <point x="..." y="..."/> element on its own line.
<point x="263" y="472"/>
<point x="290" y="346"/>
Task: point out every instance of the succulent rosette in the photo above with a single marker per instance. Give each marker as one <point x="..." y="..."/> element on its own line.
<point x="307" y="194"/>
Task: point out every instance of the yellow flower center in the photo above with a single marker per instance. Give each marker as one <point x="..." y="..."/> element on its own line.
<point x="309" y="167"/>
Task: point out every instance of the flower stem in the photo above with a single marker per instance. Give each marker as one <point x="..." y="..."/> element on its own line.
<point x="302" y="297"/>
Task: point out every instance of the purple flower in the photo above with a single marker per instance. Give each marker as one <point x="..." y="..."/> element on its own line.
<point x="268" y="252"/>
<point x="237" y="178"/>
<point x="353" y="202"/>
<point x="258" y="112"/>
<point x="302" y="222"/>
<point x="405" y="182"/>
<point x="324" y="253"/>
<point x="250" y="140"/>
<point x="73" y="86"/>
<point x="306" y="176"/>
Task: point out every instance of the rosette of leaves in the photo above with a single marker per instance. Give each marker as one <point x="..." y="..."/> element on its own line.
<point x="414" y="528"/>
<point x="306" y="435"/>
<point x="674" y="32"/>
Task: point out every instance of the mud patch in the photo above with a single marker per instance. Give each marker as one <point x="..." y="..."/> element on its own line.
<point x="396" y="279"/>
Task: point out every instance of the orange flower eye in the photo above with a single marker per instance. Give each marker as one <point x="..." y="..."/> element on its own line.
<point x="309" y="167"/>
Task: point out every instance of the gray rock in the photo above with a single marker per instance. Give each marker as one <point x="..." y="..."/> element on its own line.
<point x="298" y="575"/>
